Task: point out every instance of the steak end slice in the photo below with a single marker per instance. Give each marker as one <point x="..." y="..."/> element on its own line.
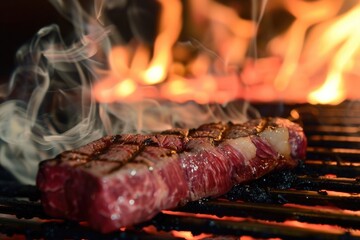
<point x="122" y="180"/>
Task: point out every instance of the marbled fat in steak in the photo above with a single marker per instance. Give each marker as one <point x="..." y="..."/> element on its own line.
<point x="125" y="179"/>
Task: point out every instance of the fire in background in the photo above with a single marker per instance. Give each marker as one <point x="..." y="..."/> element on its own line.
<point x="291" y="50"/>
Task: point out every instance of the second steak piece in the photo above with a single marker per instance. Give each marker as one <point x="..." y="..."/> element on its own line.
<point x="126" y="179"/>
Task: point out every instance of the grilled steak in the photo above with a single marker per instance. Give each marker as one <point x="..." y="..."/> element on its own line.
<point x="126" y="179"/>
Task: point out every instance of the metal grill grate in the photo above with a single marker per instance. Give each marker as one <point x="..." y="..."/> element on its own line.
<point x="318" y="200"/>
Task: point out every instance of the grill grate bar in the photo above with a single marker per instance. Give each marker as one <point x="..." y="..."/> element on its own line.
<point x="329" y="115"/>
<point x="13" y="189"/>
<point x="313" y="198"/>
<point x="339" y="113"/>
<point x="22" y="208"/>
<point x="333" y="141"/>
<point x="349" y="185"/>
<point x="273" y="212"/>
<point x="339" y="168"/>
<point x="69" y="230"/>
<point x="336" y="121"/>
<point x="331" y="154"/>
<point x="256" y="229"/>
<point x="331" y="130"/>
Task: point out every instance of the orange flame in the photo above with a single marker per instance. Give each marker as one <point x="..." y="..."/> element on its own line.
<point x="344" y="30"/>
<point x="306" y="15"/>
<point x="309" y="62"/>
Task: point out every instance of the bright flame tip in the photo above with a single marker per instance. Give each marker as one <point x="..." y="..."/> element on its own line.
<point x="154" y="75"/>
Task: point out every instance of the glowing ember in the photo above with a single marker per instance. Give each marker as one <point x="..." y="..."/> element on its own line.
<point x="189" y="235"/>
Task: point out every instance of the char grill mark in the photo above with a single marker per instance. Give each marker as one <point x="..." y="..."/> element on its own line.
<point x="211" y="130"/>
<point x="173" y="142"/>
<point x="176" y="131"/>
<point x="249" y="128"/>
<point x="137" y="175"/>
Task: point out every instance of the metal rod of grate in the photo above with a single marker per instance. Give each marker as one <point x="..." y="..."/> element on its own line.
<point x="168" y="221"/>
<point x="328" y="179"/>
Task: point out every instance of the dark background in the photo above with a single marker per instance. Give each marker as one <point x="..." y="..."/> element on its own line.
<point x="19" y="22"/>
<point x="21" y="19"/>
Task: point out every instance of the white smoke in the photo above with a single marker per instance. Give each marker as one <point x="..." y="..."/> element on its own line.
<point x="48" y="105"/>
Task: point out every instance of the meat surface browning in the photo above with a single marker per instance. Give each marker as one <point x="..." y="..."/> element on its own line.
<point x="125" y="179"/>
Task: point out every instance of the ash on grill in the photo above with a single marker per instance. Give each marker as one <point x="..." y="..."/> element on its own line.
<point x="318" y="200"/>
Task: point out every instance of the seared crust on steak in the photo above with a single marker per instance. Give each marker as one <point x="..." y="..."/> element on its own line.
<point x="126" y="179"/>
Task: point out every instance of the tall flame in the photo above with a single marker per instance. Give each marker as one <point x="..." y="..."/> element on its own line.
<point x="343" y="32"/>
<point x="306" y="15"/>
<point x="141" y="68"/>
<point x="224" y="45"/>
